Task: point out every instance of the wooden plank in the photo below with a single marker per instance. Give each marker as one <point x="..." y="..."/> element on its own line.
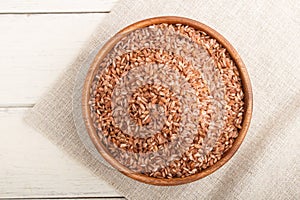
<point x="55" y="6"/>
<point x="32" y="167"/>
<point x="35" y="49"/>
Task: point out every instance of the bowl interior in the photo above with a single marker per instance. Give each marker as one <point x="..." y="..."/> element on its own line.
<point x="246" y="85"/>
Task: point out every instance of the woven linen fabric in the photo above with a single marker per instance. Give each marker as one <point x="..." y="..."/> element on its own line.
<point x="267" y="36"/>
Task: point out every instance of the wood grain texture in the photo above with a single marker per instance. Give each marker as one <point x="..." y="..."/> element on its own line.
<point x="35" y="49"/>
<point x="31" y="166"/>
<point x="55" y="6"/>
<point x="38" y="41"/>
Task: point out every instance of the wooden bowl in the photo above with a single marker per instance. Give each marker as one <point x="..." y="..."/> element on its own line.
<point x="246" y="85"/>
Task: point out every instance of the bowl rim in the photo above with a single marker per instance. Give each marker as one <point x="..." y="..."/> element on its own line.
<point x="246" y="85"/>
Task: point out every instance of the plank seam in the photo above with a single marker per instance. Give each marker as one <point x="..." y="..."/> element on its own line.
<point x="8" y="106"/>
<point x="54" y="13"/>
<point x="54" y="198"/>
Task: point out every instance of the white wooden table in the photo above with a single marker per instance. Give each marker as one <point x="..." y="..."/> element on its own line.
<point x="38" y="39"/>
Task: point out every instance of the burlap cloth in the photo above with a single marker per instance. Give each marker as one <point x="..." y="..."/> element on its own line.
<point x="267" y="36"/>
